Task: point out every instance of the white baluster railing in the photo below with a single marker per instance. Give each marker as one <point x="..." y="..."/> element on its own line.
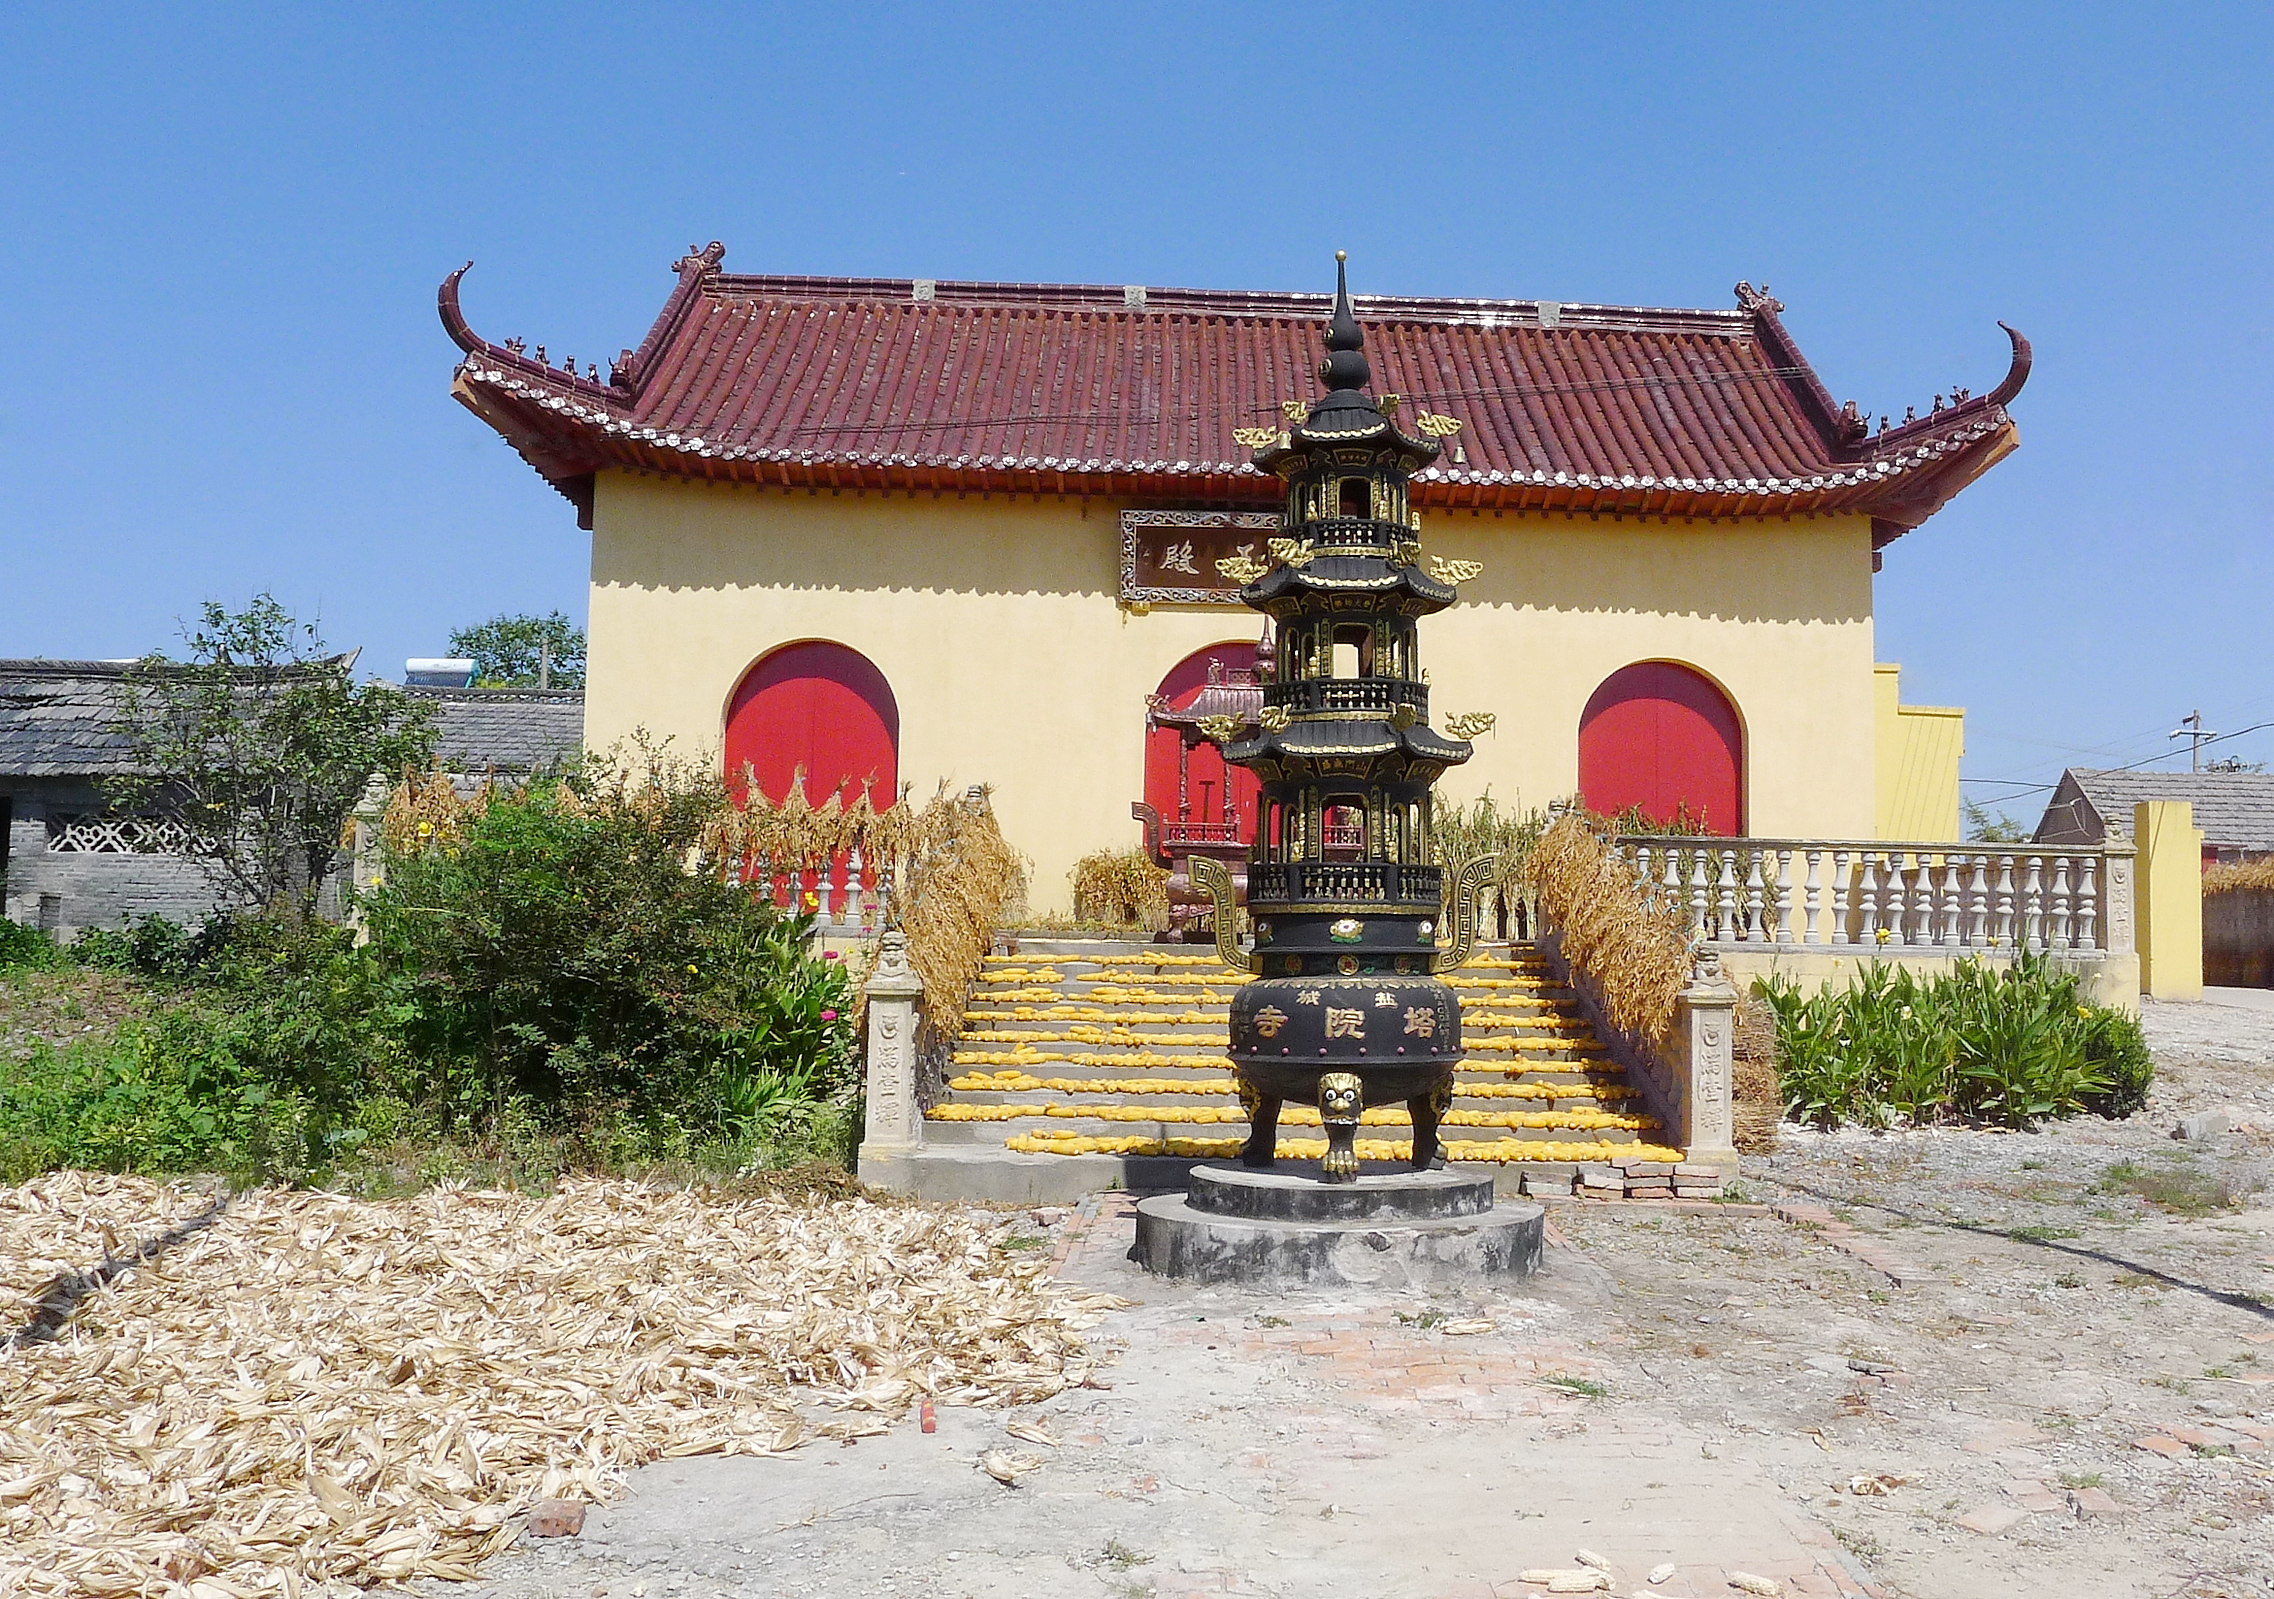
<point x="1905" y="897"/>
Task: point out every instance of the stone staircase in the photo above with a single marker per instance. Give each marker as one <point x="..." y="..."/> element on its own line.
<point x="1080" y="1049"/>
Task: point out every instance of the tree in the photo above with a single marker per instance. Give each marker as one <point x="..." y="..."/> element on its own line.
<point x="523" y="651"/>
<point x="260" y="746"/>
<point x="1984" y="826"/>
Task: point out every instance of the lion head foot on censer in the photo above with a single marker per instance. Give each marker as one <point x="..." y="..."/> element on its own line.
<point x="1341" y="1098"/>
<point x="1262" y="1147"/>
<point x="1428" y="1113"/>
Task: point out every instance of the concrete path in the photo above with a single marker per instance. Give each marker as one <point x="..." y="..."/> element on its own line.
<point x="2240" y="998"/>
<point x="1296" y="1445"/>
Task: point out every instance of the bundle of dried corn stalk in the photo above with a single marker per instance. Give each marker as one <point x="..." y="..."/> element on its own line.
<point x="320" y="1391"/>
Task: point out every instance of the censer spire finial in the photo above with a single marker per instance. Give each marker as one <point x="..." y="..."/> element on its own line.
<point x="1346" y="366"/>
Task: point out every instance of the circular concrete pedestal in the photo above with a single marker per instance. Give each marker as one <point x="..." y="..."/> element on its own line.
<point x="1392" y="1227"/>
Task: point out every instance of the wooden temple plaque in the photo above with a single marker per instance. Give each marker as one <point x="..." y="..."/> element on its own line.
<point x="1169" y="557"/>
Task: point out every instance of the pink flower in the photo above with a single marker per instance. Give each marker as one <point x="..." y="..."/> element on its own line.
<point x="828" y="954"/>
<point x="828" y="1015"/>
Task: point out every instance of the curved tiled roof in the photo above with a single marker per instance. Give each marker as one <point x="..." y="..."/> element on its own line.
<point x="69" y="719"/>
<point x="898" y="383"/>
<point x="505" y="729"/>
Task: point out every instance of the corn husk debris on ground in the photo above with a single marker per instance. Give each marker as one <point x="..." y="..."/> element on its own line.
<point x="319" y="1390"/>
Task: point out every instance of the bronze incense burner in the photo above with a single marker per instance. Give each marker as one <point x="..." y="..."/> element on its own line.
<point x="1344" y="890"/>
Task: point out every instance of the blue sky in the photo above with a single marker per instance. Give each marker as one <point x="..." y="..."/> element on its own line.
<point x="221" y="229"/>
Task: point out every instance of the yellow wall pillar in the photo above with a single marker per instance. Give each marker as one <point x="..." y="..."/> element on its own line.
<point x="2170" y="879"/>
<point x="1918" y="749"/>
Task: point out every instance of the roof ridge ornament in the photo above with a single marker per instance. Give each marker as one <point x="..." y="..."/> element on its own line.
<point x="701" y="258"/>
<point x="1758" y="300"/>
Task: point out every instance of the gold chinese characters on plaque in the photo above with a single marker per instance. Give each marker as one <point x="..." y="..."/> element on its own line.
<point x="1171" y="557"/>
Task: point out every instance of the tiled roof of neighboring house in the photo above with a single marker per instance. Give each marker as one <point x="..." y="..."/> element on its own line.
<point x="61" y="719"/>
<point x="1055" y="388"/>
<point x="505" y="729"/>
<point x="66" y="719"/>
<point x="2234" y="809"/>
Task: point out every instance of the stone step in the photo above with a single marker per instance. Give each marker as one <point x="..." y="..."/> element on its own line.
<point x="1572" y="1153"/>
<point x="1048" y="1087"/>
<point x="1160" y="1080"/>
<point x="1096" y="1052"/>
<point x="1234" y="1125"/>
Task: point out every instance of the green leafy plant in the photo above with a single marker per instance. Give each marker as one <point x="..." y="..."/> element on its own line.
<point x="2014" y="1046"/>
<point x="27" y="946"/>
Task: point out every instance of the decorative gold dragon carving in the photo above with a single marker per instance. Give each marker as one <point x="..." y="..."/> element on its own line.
<point x="1460" y="908"/>
<point x="1453" y="572"/>
<point x="1468" y="724"/>
<point x="1242" y="569"/>
<point x="1214" y="879"/>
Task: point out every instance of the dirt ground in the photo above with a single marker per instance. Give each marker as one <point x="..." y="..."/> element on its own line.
<point x="1932" y="1365"/>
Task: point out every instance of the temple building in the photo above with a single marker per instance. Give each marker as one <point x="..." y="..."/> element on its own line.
<point x="910" y="531"/>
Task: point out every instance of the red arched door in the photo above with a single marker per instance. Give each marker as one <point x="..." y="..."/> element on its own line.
<point x="1200" y="800"/>
<point x="1663" y="737"/>
<point x="820" y="706"/>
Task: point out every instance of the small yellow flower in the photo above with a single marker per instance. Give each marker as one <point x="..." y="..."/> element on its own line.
<point x="691" y="971"/>
<point x="1883" y="935"/>
<point x="2085" y="1011"/>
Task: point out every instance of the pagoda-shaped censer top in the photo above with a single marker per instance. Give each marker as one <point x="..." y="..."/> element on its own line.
<point x="1344" y="889"/>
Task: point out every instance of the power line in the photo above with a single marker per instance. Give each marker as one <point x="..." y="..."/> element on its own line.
<point x="2160" y="755"/>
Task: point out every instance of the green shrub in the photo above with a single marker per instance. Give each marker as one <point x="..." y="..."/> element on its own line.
<point x="27" y="946"/>
<point x="2012" y="1046"/>
<point x="564" y="985"/>
<point x="561" y="955"/>
<point x="167" y="1093"/>
<point x="2118" y="1053"/>
<point x="154" y="946"/>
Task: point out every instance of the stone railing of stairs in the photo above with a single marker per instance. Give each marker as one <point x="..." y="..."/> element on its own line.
<point x="1086" y="1064"/>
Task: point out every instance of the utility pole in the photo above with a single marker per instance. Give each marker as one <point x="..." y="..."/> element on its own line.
<point x="545" y="665"/>
<point x="2191" y="728"/>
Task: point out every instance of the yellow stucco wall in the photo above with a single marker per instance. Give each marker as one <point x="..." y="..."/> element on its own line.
<point x="996" y="624"/>
<point x="1920" y="747"/>
<point x="2170" y="899"/>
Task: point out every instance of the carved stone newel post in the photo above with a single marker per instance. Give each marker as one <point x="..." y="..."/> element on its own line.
<point x="895" y="1124"/>
<point x="1706" y="1027"/>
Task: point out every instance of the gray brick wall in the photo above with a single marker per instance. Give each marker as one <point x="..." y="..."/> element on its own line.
<point x="68" y="892"/>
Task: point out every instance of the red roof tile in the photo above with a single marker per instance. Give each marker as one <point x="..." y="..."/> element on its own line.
<point x="892" y="383"/>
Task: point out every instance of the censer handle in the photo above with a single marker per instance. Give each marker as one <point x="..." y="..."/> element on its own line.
<point x="1216" y="879"/>
<point x="1462" y="907"/>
